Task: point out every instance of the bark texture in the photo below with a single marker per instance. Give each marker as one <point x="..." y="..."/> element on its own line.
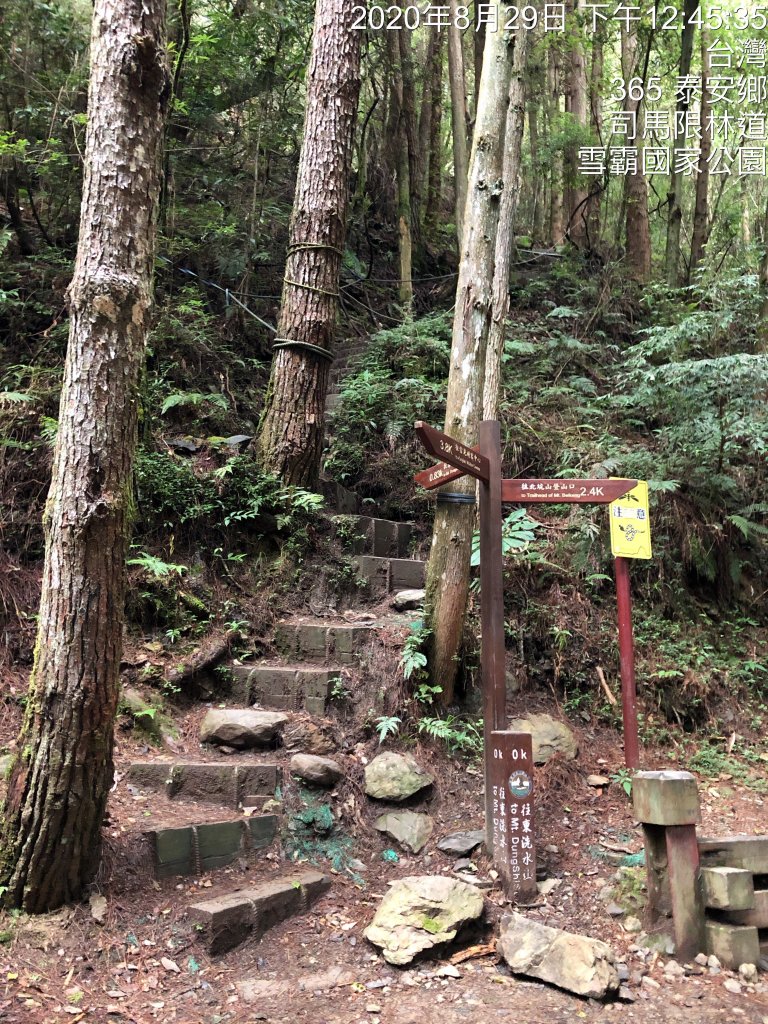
<point x="505" y="238"/>
<point x="457" y="83"/>
<point x="447" y="583"/>
<point x="638" y="231"/>
<point x="674" y="196"/>
<point x="59" y="785"/>
<point x="576" y="106"/>
<point x="291" y="432"/>
<point x="700" y="233"/>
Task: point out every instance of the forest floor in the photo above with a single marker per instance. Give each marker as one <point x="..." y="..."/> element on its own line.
<point x="144" y="964"/>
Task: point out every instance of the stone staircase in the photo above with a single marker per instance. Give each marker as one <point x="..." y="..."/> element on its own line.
<point x="248" y="781"/>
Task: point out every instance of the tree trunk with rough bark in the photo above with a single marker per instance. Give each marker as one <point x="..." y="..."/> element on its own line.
<point x="291" y="430"/>
<point x="674" y="195"/>
<point x="457" y="82"/>
<point x="576" y="106"/>
<point x="638" y="231"/>
<point x="432" y="141"/>
<point x="595" y="200"/>
<point x="701" y="207"/>
<point x="556" y="200"/>
<point x="762" y="328"/>
<point x="447" y="584"/>
<point x="58" y="786"/>
<point x="505" y="237"/>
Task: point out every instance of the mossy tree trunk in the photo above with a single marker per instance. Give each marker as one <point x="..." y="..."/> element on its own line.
<point x="58" y="787"/>
<point x="291" y="431"/>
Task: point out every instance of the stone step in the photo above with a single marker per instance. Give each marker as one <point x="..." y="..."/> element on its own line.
<point x="339" y="498"/>
<point x="756" y="915"/>
<point x="193" y="849"/>
<point x="323" y="641"/>
<point x="332" y="401"/>
<point x="284" y="687"/>
<point x="733" y="945"/>
<point x="392" y="574"/>
<point x="219" y="782"/>
<point x="227" y="920"/>
<point x="747" y="852"/>
<point x="382" y="538"/>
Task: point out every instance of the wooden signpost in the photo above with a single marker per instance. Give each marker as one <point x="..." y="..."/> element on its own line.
<point x="508" y="756"/>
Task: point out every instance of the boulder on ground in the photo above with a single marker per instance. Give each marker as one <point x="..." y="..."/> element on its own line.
<point x="318" y="771"/>
<point x="549" y="737"/>
<point x="420" y="912"/>
<point x="577" y="963"/>
<point x="308" y="736"/>
<point x="405" y="600"/>
<point x="461" y="843"/>
<point x="409" y="828"/>
<point x="242" y="728"/>
<point x="392" y="776"/>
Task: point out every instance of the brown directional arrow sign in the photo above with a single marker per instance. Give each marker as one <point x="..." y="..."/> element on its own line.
<point x="449" y="450"/>
<point x="572" y="492"/>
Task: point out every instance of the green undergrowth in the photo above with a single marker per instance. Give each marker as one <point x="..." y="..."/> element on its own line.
<point x="313" y="834"/>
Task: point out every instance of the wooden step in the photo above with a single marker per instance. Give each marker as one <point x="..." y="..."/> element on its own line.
<point x="227" y="920"/>
<point x="220" y="782"/>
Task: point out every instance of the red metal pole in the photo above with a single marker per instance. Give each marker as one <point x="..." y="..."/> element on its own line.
<point x="627" y="660"/>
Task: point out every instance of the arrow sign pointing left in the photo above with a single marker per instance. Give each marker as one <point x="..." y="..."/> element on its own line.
<point x="456" y="454"/>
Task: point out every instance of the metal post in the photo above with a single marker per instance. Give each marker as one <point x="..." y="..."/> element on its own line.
<point x="491" y="606"/>
<point x="627" y="661"/>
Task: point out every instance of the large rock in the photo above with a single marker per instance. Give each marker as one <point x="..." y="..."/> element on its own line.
<point x="405" y="600"/>
<point x="307" y="736"/>
<point x="549" y="736"/>
<point x="395" y="777"/>
<point x="410" y="829"/>
<point x="319" y="771"/>
<point x="573" y="962"/>
<point x="242" y="728"/>
<point x="461" y="843"/>
<point x="420" y="912"/>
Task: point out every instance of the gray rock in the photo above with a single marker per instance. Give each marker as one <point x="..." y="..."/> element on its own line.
<point x="576" y="963"/>
<point x="420" y="912"/>
<point x="732" y="986"/>
<point x="615" y="910"/>
<point x="633" y="925"/>
<point x="549" y="736"/>
<point x="410" y="829"/>
<point x="461" y="843"/>
<point x="242" y="728"/>
<point x="392" y="776"/>
<point x="319" y="771"/>
<point x="405" y="600"/>
<point x="748" y="973"/>
<point x="626" y="995"/>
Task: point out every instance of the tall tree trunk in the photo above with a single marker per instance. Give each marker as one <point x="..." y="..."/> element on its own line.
<point x="425" y="106"/>
<point x="447" y="583"/>
<point x="556" y="208"/>
<point x="762" y="330"/>
<point x="538" y="190"/>
<point x="701" y="206"/>
<point x="416" y="159"/>
<point x="10" y="191"/>
<point x="291" y="431"/>
<point x="576" y="106"/>
<point x="457" y="80"/>
<point x="479" y="47"/>
<point x="746" y="227"/>
<point x="505" y="239"/>
<point x="638" y="231"/>
<point x="594" y="202"/>
<point x="403" y="171"/>
<point x="674" y="196"/>
<point x="435" y="141"/>
<point x="59" y="784"/>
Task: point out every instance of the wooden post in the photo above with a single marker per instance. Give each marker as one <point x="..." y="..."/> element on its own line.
<point x="667" y="805"/>
<point x="627" y="662"/>
<point x="510" y="771"/>
<point x="491" y="606"/>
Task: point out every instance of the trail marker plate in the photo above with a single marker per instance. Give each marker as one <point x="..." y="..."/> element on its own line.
<point x="631" y="524"/>
<point x="511" y="780"/>
<point x="571" y="492"/>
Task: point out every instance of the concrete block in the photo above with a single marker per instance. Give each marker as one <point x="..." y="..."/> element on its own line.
<point x="211" y="783"/>
<point x="666" y="798"/>
<point x="256" y="780"/>
<point x="756" y="916"/>
<point x="219" y="843"/>
<point x="733" y="945"/>
<point x="728" y="889"/>
<point x="242" y="683"/>
<point x="262" y="829"/>
<point x="406" y="574"/>
<point x="154" y="775"/>
<point x="174" y="851"/>
<point x="224" y="922"/>
<point x="747" y="852"/>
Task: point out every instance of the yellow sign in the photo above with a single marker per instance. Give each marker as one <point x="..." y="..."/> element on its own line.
<point x="631" y="524"/>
